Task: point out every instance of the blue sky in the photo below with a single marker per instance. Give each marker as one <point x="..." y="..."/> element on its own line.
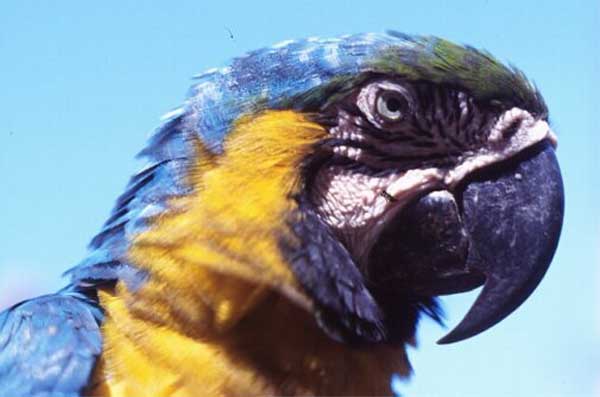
<point x="84" y="83"/>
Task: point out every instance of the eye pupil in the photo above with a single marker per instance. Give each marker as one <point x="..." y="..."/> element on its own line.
<point x="393" y="104"/>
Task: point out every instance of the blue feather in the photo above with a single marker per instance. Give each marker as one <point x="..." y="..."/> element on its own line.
<point x="49" y="345"/>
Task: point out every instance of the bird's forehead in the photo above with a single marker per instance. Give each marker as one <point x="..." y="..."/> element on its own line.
<point x="270" y="77"/>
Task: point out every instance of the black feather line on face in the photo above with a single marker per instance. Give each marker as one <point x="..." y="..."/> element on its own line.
<point x="348" y="309"/>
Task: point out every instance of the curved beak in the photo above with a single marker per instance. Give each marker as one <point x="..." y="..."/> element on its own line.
<point x="512" y="216"/>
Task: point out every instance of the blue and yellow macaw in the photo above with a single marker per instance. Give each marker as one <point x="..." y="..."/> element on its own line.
<point x="298" y="214"/>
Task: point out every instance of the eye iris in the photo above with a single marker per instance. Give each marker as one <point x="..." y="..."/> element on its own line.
<point x="391" y="106"/>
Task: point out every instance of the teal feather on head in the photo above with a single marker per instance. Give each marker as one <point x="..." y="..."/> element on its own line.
<point x="443" y="62"/>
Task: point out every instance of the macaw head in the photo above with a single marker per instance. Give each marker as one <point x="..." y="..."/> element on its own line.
<point x="373" y="172"/>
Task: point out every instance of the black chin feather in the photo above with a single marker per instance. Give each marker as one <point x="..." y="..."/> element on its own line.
<point x="347" y="308"/>
<point x="403" y="312"/>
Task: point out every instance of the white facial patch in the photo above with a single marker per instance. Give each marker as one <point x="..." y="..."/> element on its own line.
<point x="349" y="200"/>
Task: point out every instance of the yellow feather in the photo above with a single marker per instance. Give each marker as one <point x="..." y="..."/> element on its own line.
<point x="221" y="313"/>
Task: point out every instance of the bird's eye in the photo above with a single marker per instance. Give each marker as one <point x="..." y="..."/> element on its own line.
<point x="392" y="106"/>
<point x="386" y="105"/>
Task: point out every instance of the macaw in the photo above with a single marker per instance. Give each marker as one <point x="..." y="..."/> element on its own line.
<point x="297" y="216"/>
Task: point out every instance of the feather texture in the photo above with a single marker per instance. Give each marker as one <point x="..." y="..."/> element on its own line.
<point x="49" y="346"/>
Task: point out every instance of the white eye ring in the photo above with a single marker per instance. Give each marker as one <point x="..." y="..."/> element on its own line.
<point x="391" y="105"/>
<point x="385" y="103"/>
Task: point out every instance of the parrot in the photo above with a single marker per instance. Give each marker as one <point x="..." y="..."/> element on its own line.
<point x="297" y="216"/>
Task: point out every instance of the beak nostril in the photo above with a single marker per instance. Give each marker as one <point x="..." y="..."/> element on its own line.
<point x="512" y="128"/>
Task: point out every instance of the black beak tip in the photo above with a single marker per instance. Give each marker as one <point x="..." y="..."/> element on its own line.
<point x="514" y="217"/>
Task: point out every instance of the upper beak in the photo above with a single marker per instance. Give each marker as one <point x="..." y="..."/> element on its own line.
<point x="513" y="217"/>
